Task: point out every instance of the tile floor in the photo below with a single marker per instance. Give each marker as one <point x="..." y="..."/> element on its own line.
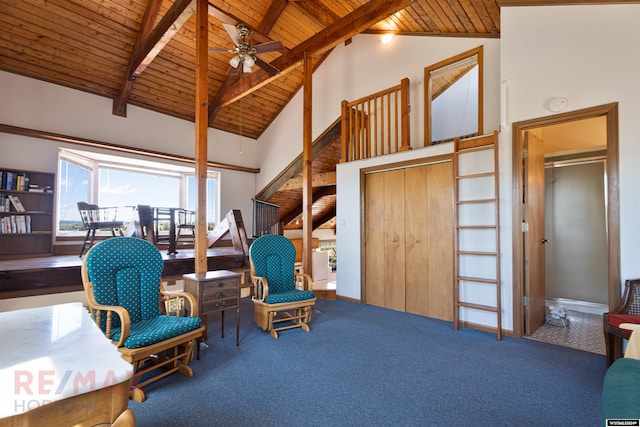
<point x="584" y="332"/>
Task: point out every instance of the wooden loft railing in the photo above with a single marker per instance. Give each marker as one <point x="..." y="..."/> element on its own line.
<point x="377" y="124"/>
<point x="266" y="219"/>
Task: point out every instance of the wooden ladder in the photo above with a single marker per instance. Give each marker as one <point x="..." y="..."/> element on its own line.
<point x="477" y="228"/>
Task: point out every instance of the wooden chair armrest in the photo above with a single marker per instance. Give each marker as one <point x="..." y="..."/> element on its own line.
<point x="125" y="322"/>
<point x="260" y="288"/>
<point x="304" y="282"/>
<point x="168" y="295"/>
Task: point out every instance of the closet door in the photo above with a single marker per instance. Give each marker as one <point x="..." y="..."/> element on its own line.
<point x="385" y="240"/>
<point x="394" y="240"/>
<point x="374" y="239"/>
<point x="429" y="240"/>
<point x="417" y="248"/>
<point x="409" y="240"/>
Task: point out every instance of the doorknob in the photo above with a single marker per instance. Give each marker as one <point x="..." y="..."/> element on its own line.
<point x="545" y="241"/>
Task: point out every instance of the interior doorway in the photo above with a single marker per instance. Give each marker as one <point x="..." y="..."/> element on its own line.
<point x="530" y="240"/>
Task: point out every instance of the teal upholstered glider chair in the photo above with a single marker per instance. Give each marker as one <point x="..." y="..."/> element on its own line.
<point x="122" y="282"/>
<point x="281" y="298"/>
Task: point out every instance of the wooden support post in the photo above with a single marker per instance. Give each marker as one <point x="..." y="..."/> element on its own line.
<point x="307" y="172"/>
<point x="345" y="132"/>
<point x="405" y="109"/>
<point x="202" y="128"/>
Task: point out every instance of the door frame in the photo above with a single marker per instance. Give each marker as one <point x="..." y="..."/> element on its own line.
<point x="610" y="111"/>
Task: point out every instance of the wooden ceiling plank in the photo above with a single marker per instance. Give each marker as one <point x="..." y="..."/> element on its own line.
<point x="59" y="23"/>
<point x="342" y="29"/>
<point x="150" y="15"/>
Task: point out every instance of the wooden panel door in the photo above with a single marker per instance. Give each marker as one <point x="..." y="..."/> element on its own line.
<point x="439" y="213"/>
<point x="534" y="240"/>
<point x="374" y="240"/>
<point x="394" y="240"/>
<point x="417" y="241"/>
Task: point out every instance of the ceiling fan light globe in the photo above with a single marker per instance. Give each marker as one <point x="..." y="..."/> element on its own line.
<point x="249" y="61"/>
<point x="246" y="67"/>
<point x="235" y="61"/>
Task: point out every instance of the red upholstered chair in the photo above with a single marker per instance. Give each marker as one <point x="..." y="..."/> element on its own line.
<point x="628" y="312"/>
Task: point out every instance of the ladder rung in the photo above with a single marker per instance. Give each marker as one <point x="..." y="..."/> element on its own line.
<point x="468" y="227"/>
<point x="477" y="306"/>
<point x="476" y="279"/>
<point x="476" y="253"/>
<point x="462" y="202"/>
<point x="475" y="175"/>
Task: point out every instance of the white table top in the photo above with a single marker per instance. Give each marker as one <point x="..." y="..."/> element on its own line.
<point x="52" y="353"/>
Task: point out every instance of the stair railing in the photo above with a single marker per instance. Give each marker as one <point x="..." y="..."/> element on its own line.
<point x="266" y="219"/>
<point x="377" y="124"/>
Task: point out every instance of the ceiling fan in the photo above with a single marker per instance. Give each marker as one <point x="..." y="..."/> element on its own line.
<point x="245" y="54"/>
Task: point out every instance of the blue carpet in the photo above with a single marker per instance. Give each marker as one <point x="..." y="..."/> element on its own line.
<point x="368" y="366"/>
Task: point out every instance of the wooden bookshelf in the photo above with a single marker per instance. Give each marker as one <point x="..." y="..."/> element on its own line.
<point x="29" y="233"/>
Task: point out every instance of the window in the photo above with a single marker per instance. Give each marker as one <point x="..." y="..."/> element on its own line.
<point x="107" y="180"/>
<point x="453" y="98"/>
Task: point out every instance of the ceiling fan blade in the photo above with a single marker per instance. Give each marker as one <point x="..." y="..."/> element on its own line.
<point x="233" y="33"/>
<point x="267" y="67"/>
<point x="218" y="49"/>
<point x="273" y="46"/>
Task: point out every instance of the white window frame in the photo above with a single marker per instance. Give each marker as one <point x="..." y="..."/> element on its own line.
<point x="96" y="162"/>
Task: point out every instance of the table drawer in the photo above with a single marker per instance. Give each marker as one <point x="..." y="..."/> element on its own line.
<point x="219" y="304"/>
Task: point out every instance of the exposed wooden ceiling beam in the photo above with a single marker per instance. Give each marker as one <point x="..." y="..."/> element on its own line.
<point x="150" y="15"/>
<point x="324" y="218"/>
<point x="317" y="195"/>
<point x="169" y="25"/>
<point x="346" y="27"/>
<point x="316" y="12"/>
<point x="319" y="180"/>
<point x="271" y="17"/>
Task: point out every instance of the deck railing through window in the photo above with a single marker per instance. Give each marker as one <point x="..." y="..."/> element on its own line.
<point x="377" y="124"/>
<point x="266" y="218"/>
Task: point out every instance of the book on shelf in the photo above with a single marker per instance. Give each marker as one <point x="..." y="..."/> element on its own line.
<point x="35" y="188"/>
<point x="15" y="224"/>
<point x="17" y="204"/>
<point x="14" y="181"/>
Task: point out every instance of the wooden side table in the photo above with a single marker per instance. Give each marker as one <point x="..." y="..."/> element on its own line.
<point x="215" y="291"/>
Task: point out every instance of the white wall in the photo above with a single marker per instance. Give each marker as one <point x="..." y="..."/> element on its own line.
<point x="588" y="54"/>
<point x="43" y="106"/>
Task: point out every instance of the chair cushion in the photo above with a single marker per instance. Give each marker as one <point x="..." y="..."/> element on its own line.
<point x="274" y="257"/>
<point x="126" y="271"/>
<point x="157" y="329"/>
<point x="620" y="391"/>
<point x="289" y="296"/>
<point x="615" y="319"/>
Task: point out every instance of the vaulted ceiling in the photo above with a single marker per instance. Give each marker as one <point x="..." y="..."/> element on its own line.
<point x="142" y="52"/>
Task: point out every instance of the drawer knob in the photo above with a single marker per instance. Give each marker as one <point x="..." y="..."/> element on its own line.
<point x="220" y="304"/>
<point x="220" y="295"/>
<point x="220" y="284"/>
